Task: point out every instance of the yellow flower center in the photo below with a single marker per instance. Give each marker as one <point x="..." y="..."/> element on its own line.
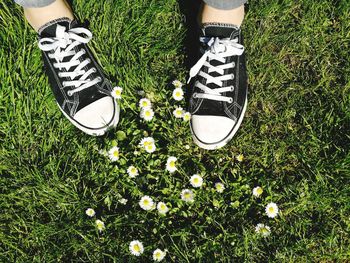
<point x="117" y="92"/>
<point x="133" y="170"/>
<point x="144" y="103"/>
<point x="259" y="191"/>
<point x="147" y="114"/>
<point x="271" y="209"/>
<point x="172" y="164"/>
<point x="187" y="195"/>
<point x="178" y="94"/>
<point x="137" y="248"/>
<point x="146" y="202"/>
<point x="158" y="254"/>
<point x="149" y="147"/>
<point x="177" y="84"/>
<point x="116" y="154"/>
<point x="264" y="230"/>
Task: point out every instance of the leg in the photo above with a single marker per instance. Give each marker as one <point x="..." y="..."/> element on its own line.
<point x="212" y="14"/>
<point x="40" y="12"/>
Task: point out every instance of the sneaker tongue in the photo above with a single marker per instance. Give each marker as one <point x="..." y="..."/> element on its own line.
<point x="49" y="29"/>
<point x="220" y="30"/>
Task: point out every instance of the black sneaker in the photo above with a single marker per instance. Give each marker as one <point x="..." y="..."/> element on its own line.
<point x="219" y="88"/>
<point x="82" y="91"/>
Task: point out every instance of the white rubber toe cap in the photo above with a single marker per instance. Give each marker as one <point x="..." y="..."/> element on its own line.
<point x="98" y="114"/>
<point x="211" y="129"/>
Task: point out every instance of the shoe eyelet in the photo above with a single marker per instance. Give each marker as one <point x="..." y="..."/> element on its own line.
<point x="230" y="101"/>
<point x="99" y="79"/>
<point x="233" y="64"/>
<point x="59" y="74"/>
<point x="64" y="84"/>
<point x="195" y="95"/>
<point x="232" y="88"/>
<point x="233" y="76"/>
<point x="88" y="60"/>
<point x="94" y="70"/>
<point x="84" y="52"/>
<point x="69" y="93"/>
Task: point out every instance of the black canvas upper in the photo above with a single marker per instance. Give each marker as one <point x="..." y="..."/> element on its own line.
<point x="80" y="99"/>
<point x="199" y="106"/>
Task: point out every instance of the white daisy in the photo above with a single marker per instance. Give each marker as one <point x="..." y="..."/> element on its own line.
<point x="132" y="171"/>
<point x="148" y="144"/>
<point x="162" y="208"/>
<point x="258" y="227"/>
<point x="178" y="94"/>
<point x="219" y="187"/>
<point x="171" y="164"/>
<point x="146" y="203"/>
<point x="158" y="255"/>
<point x="271" y="210"/>
<point x="196" y="180"/>
<point x="150" y="148"/>
<point x="90" y="212"/>
<point x="146" y="141"/>
<point x="113" y="153"/>
<point x="136" y="248"/>
<point x="145" y="103"/>
<point x="123" y="201"/>
<point x="177" y="83"/>
<point x="100" y="225"/>
<point x="147" y="113"/>
<point x="117" y="92"/>
<point x="187" y="195"/>
<point x="240" y="157"/>
<point x="263" y="230"/>
<point x="257" y="191"/>
<point x="186" y="116"/>
<point x="178" y="112"/>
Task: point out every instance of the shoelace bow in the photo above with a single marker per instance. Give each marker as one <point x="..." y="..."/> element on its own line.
<point x="218" y="49"/>
<point x="63" y="45"/>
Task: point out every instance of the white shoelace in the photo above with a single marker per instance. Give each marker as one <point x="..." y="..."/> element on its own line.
<point x="219" y="49"/>
<point x="63" y="45"/>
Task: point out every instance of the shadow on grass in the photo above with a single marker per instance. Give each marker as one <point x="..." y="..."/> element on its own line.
<point x="190" y="10"/>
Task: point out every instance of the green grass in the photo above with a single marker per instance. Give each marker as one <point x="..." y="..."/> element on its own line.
<point x="295" y="139"/>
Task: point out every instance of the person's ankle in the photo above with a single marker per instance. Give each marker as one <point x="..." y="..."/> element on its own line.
<point x="213" y="15"/>
<point x="37" y="17"/>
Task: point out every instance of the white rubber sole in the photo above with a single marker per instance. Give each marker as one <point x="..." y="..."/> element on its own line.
<point x="95" y="132"/>
<point x="226" y="140"/>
